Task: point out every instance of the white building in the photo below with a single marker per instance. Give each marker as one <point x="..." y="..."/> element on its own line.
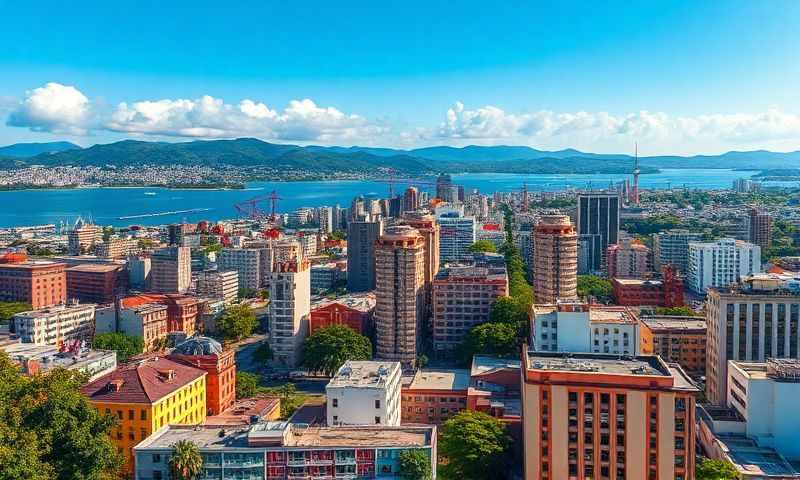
<point x="308" y="244"/>
<point x="56" y="325"/>
<point x="764" y="394"/>
<point x="583" y="328"/>
<point x="247" y="262"/>
<point x="457" y="233"/>
<point x="222" y="284"/>
<point x="326" y="219"/>
<point x="35" y="359"/>
<point x="721" y="263"/>
<point x="365" y="393"/>
<point x="289" y="310"/>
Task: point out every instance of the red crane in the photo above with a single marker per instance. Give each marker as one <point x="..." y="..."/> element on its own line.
<point x="250" y="208"/>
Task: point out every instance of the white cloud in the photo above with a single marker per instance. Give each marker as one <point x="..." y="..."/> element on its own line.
<point x="53" y="108"/>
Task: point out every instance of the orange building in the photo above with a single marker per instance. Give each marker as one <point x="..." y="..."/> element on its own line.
<point x="678" y="339"/>
<point x="40" y="283"/>
<point x="207" y="354"/>
<point x="354" y="311"/>
<point x="602" y="416"/>
<point x="433" y="396"/>
<point x="96" y="283"/>
<point x="183" y="311"/>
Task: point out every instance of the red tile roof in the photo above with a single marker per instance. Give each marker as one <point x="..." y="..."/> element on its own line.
<point x="142" y="381"/>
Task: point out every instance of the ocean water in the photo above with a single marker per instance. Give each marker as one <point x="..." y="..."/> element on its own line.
<point x="155" y="206"/>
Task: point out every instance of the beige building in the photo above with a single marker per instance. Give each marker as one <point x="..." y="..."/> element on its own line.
<point x="223" y="284"/>
<point x="555" y="265"/>
<point x="117" y="248"/>
<point x="604" y="417"/>
<point x="83" y="237"/>
<point x="628" y="259"/>
<point x="171" y="270"/>
<point x="56" y="325"/>
<point x="289" y="310"/>
<point x="400" y="293"/>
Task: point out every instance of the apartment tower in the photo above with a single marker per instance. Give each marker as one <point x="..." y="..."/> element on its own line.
<point x="361" y="238"/>
<point x="171" y="270"/>
<point x="289" y="310"/>
<point x="598" y="216"/>
<point x="555" y="266"/>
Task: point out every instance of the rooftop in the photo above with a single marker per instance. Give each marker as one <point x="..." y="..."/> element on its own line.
<point x="95" y="268"/>
<point x="144" y="381"/>
<point x="636" y="281"/>
<point x="364" y="374"/>
<point x="245" y="409"/>
<point x="485" y="364"/>
<point x="46" y="312"/>
<point x="198" y="345"/>
<point x="456" y="379"/>
<point x="363" y="302"/>
<point x="29" y="264"/>
<point x="597" y="363"/>
<point x="673" y="323"/>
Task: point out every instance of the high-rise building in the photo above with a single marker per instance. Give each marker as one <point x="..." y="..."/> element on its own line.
<point x="207" y="354"/>
<point x="326" y="222"/>
<point x="117" y="247"/>
<point x="96" y="282"/>
<point x="139" y="272"/>
<point x="598" y="214"/>
<point x="40" y="283"/>
<point x="250" y="264"/>
<point x="223" y="284"/>
<point x="760" y="228"/>
<point x="59" y="325"/>
<point x="444" y="190"/>
<point x="603" y="416"/>
<point x="364" y="393"/>
<point x="411" y="199"/>
<point x="750" y="322"/>
<point x="462" y="298"/>
<point x="361" y="238"/>
<point x="457" y="234"/>
<point x="721" y="263"/>
<point x="400" y="293"/>
<point x="83" y="237"/>
<point x="171" y="270"/>
<point x="431" y="232"/>
<point x="555" y="266"/>
<point x="289" y="310"/>
<point x="628" y="259"/>
<point x="672" y="248"/>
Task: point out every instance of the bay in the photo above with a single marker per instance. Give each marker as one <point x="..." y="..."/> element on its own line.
<point x="156" y="206"/>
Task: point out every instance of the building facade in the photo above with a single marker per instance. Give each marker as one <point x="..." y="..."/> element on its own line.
<point x="433" y="396"/>
<point x="457" y="234"/>
<point x="364" y="393"/>
<point x="666" y="292"/>
<point x="678" y="339"/>
<point x="59" y="325"/>
<point x="171" y="270"/>
<point x="721" y="263"/>
<point x="555" y="266"/>
<point x="248" y="264"/>
<point x="760" y="228"/>
<point x="361" y="238"/>
<point x="39" y="283"/>
<point x="598" y="214"/>
<point x="354" y="310"/>
<point x="672" y="248"/>
<point x="222" y="284"/>
<point x="628" y="259"/>
<point x="207" y="354"/>
<point x="96" y="283"/>
<point x="289" y="310"/>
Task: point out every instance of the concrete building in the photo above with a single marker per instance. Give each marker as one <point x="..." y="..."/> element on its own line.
<point x="364" y="393"/>
<point x="96" y="282"/>
<point x="433" y="396"/>
<point x="602" y="416"/>
<point x="361" y="238"/>
<point x="760" y="228"/>
<point x="59" y="325"/>
<point x="39" y="359"/>
<point x="82" y="237"/>
<point x="207" y="354"/>
<point x="672" y="248"/>
<point x="146" y="320"/>
<point x="678" y="339"/>
<point x="457" y="234"/>
<point x="555" y="266"/>
<point x="750" y="322"/>
<point x="171" y="270"/>
<point x="223" y="284"/>
<point x="326" y="221"/>
<point x="248" y="263"/>
<point x="283" y="451"/>
<point x="117" y="247"/>
<point x="444" y="188"/>
<point x="145" y="396"/>
<point x="400" y="293"/>
<point x="139" y="272"/>
<point x="721" y="263"/>
<point x="39" y="283"/>
<point x="583" y="328"/>
<point x="628" y="259"/>
<point x="666" y="292"/>
<point x="411" y="199"/>
<point x="463" y="295"/>
<point x="289" y="310"/>
<point x="353" y="310"/>
<point x="598" y="214"/>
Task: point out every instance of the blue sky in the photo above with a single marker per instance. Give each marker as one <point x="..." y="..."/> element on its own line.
<point x="679" y="77"/>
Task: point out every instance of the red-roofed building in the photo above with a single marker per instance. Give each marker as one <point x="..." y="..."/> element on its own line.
<point x="207" y="354"/>
<point x="667" y="292"/>
<point x="355" y="311"/>
<point x="183" y="311"/>
<point x="146" y="395"/>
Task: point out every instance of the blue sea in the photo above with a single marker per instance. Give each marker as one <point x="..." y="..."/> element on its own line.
<point x="155" y="206"/>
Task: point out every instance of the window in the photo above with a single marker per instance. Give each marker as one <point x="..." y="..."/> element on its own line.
<point x="335" y="418"/>
<point x="143" y="415"/>
<point x="377" y="420"/>
<point x="156" y="458"/>
<point x="335" y="402"/>
<point x="377" y="404"/>
<point x="157" y="475"/>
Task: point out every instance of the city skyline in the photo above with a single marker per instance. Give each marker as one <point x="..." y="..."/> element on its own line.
<point x="550" y="76"/>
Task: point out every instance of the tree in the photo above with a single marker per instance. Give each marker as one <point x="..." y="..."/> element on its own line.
<point x="185" y="463"/>
<point x="681" y="311"/>
<point x="337" y="235"/>
<point x="328" y="348"/>
<point x="291" y="399"/>
<point x="126" y="346"/>
<point x="708" y="469"/>
<point x="476" y="446"/>
<point x="482" y="246"/>
<point x="415" y="465"/>
<point x="9" y="309"/>
<point x="263" y="352"/>
<point x="422" y="361"/>
<point x="48" y="430"/>
<point x="491" y="338"/>
<point x="236" y="322"/>
<point x="507" y="310"/>
<point x="592" y="285"/>
<point x="247" y="385"/>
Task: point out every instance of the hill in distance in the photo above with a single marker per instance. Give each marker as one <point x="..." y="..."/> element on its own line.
<point x="26" y="150"/>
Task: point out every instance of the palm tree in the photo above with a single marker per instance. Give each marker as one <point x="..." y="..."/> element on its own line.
<point x="186" y="463"/>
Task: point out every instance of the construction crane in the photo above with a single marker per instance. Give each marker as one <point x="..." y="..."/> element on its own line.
<point x="250" y="208"/>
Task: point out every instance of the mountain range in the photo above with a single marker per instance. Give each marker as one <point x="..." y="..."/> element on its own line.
<point x="250" y="152"/>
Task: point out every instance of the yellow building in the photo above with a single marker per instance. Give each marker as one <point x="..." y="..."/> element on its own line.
<point x="146" y="395"/>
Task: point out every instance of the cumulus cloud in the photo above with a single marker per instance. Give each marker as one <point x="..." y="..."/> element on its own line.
<point x="53" y="108"/>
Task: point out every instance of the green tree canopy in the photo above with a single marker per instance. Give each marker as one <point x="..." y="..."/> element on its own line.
<point x="482" y="246"/>
<point x="337" y="235"/>
<point x="491" y="338"/>
<point x="126" y="346"/>
<point x="682" y="311"/>
<point x="185" y="463"/>
<point x="48" y="430"/>
<point x="415" y="465"/>
<point x="508" y="310"/>
<point x="263" y="352"/>
<point x="708" y="469"/>
<point x="475" y="445"/>
<point x="595" y="286"/>
<point x="9" y="309"/>
<point x="247" y="385"/>
<point x="237" y="322"/>
<point x="328" y="348"/>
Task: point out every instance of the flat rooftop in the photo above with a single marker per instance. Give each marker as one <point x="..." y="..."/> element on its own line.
<point x="455" y="379"/>
<point x="298" y="436"/>
<point x="95" y="268"/>
<point x="751" y="459"/>
<point x="68" y="307"/>
<point x="363" y="302"/>
<point x="28" y="264"/>
<point x="486" y="363"/>
<point x="245" y="408"/>
<point x="364" y="374"/>
<point x="637" y="281"/>
<point x="49" y="356"/>
<point x="597" y="363"/>
<point x="612" y="315"/>
<point x="674" y="323"/>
